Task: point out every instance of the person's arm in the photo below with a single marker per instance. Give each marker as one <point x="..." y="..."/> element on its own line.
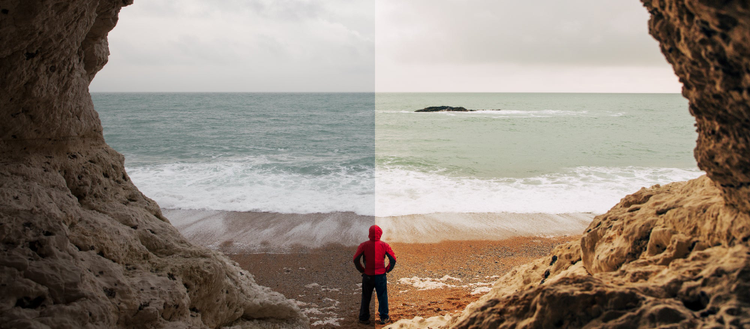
<point x="358" y="257"/>
<point x="391" y="258"/>
<point x="358" y="264"/>
<point x="391" y="263"/>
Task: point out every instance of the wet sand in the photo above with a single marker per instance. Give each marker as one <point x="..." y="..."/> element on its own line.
<point x="429" y="279"/>
<point x="274" y="232"/>
<point x="445" y="260"/>
<point x="268" y="232"/>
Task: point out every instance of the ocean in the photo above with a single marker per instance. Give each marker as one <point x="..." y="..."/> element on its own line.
<point x="285" y="153"/>
<point x="548" y="153"/>
<point x="370" y="154"/>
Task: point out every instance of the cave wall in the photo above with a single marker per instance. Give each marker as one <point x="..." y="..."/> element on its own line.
<point x="708" y="44"/>
<point x="80" y="246"/>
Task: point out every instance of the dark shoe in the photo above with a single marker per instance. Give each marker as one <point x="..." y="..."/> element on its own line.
<point x="364" y="322"/>
<point x="386" y="320"/>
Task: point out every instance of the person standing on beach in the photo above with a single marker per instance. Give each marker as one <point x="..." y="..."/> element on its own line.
<point x="374" y="252"/>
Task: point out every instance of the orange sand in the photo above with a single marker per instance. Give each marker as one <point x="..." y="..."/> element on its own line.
<point x="324" y="280"/>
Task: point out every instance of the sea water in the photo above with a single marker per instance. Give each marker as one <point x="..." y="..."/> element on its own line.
<point x="527" y="153"/>
<point x="286" y="153"/>
<point x="371" y="154"/>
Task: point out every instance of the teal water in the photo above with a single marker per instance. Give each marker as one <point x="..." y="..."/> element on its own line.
<point x="548" y="153"/>
<point x="534" y="134"/>
<point x="282" y="152"/>
<point x="371" y="154"/>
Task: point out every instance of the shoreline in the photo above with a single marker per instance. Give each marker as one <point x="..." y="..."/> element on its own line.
<point x="236" y="232"/>
<point x="429" y="279"/>
<point x="445" y="260"/>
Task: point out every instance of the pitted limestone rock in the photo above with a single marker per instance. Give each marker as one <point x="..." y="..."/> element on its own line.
<point x="81" y="246"/>
<point x="708" y="45"/>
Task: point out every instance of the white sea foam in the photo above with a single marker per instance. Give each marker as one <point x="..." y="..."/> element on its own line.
<point x="332" y="321"/>
<point x="392" y="191"/>
<point x="429" y="283"/>
<point x="532" y="113"/>
<point x="583" y="189"/>
<point x="481" y="290"/>
<point x="513" y="113"/>
<point x="520" y="114"/>
<point x="240" y="186"/>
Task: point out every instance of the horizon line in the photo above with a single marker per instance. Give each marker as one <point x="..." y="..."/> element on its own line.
<point x="376" y="92"/>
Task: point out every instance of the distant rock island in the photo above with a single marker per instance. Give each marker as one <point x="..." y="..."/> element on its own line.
<point x="449" y="109"/>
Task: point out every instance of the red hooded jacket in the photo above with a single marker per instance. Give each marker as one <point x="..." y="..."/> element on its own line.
<point x="374" y="253"/>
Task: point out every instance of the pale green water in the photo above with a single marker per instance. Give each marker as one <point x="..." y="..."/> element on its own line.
<point x="550" y="153"/>
<point x="371" y="154"/>
<point x="534" y="134"/>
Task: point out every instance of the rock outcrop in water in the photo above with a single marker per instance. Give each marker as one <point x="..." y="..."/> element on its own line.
<point x="449" y="109"/>
<point x="81" y="246"/>
<point x="444" y="109"/>
<point x="667" y="256"/>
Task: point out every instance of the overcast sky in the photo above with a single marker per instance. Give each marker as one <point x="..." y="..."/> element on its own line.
<point x="385" y="45"/>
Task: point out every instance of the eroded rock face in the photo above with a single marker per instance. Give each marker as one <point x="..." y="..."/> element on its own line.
<point x="708" y="44"/>
<point x="664" y="256"/>
<point x="662" y="224"/>
<point x="80" y="245"/>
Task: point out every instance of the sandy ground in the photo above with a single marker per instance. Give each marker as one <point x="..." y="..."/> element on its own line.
<point x="445" y="260"/>
<point x="429" y="279"/>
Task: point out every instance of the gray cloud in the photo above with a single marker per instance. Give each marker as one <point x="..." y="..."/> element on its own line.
<point x="551" y="32"/>
<point x="419" y="45"/>
<point x="242" y="45"/>
<point x="518" y="46"/>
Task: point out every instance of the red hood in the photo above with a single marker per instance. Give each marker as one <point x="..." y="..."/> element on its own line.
<point x="375" y="233"/>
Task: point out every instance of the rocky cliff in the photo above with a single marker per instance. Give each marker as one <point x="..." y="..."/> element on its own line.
<point x="666" y="256"/>
<point x="708" y="45"/>
<point x="81" y="246"/>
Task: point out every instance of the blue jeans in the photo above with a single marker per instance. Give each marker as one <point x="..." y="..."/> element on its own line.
<point x="380" y="284"/>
